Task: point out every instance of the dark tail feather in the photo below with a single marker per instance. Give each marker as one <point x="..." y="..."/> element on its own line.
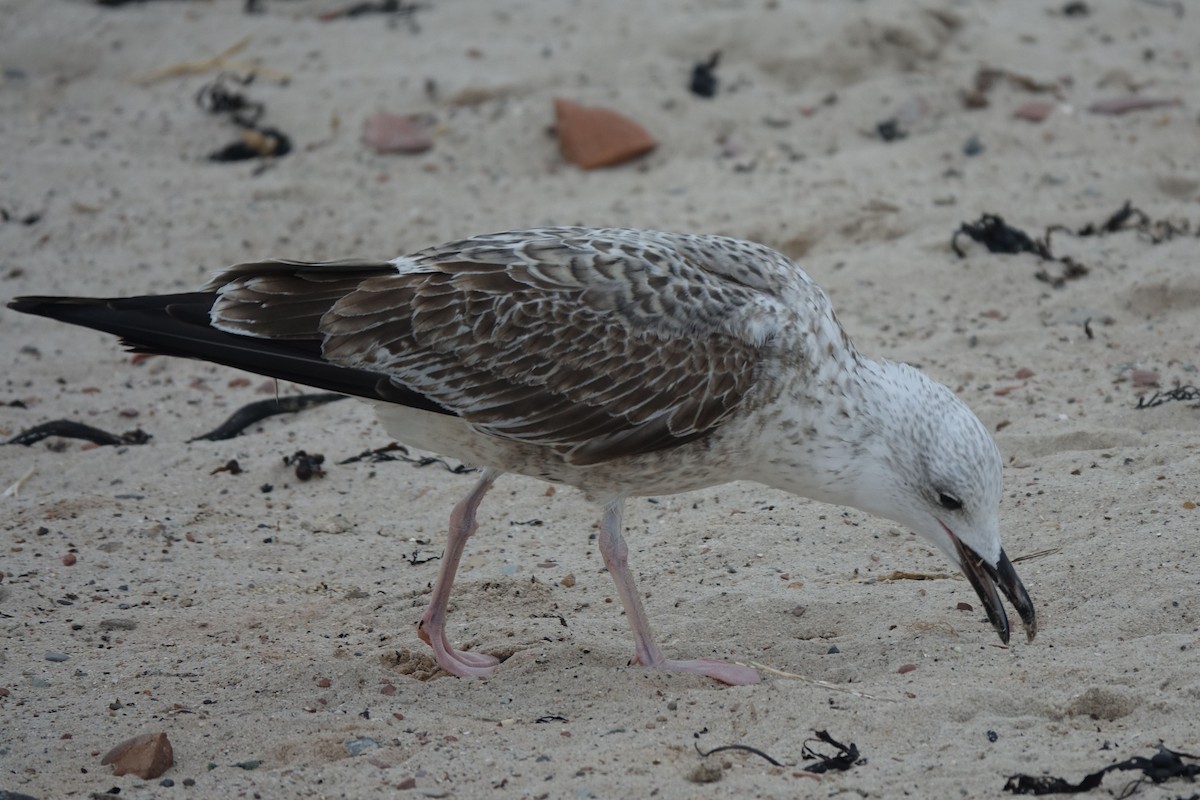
<point x="177" y="325"/>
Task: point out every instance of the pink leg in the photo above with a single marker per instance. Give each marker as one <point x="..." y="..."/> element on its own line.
<point x="432" y="627"/>
<point x="616" y="557"/>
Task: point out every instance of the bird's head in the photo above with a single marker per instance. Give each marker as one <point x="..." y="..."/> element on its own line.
<point x="936" y="469"/>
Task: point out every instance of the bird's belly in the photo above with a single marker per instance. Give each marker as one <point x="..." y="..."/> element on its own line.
<point x="691" y="466"/>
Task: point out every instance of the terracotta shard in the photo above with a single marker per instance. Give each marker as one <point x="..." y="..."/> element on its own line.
<point x="591" y="137"/>
<point x="146" y="756"/>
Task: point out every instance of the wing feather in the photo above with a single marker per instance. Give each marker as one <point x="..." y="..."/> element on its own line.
<point x="597" y="344"/>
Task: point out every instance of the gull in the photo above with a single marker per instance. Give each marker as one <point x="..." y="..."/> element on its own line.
<point x="621" y="362"/>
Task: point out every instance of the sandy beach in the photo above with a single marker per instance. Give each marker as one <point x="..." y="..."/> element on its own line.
<point x="270" y="631"/>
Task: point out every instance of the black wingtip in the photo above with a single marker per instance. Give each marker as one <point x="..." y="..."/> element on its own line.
<point x="178" y="325"/>
<point x="37" y="304"/>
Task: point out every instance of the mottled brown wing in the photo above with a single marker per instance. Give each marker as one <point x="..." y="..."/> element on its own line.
<point x="597" y="343"/>
<point x="522" y="355"/>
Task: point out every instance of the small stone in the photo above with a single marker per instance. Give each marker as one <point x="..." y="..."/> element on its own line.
<point x="396" y="133"/>
<point x="568" y="580"/>
<point x="324" y="683"/>
<point x="906" y="668"/>
<point x="965" y="607"/>
<point x="54" y="655"/>
<point x="992" y="736"/>
<point x="592" y="137"/>
<point x="1144" y="377"/>
<point x="363" y="744"/>
<point x="68" y="560"/>
<point x="833" y="650"/>
<point x="973" y="147"/>
<point x="148" y="756"/>
<point x="1034" y="111"/>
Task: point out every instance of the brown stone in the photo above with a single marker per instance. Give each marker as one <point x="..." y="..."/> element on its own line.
<point x="591" y="137"/>
<point x="1034" y="111"/>
<point x="394" y="133"/>
<point x="146" y="756"/>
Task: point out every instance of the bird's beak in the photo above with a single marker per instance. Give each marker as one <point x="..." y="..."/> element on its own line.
<point x="987" y="579"/>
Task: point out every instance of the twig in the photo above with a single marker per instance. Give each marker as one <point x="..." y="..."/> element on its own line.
<point x="1049" y="551"/>
<point x="221" y="61"/>
<point x="822" y="684"/>
<point x="15" y="489"/>
<point x="902" y="575"/>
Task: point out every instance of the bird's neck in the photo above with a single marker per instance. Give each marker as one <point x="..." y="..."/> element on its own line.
<point x="826" y="433"/>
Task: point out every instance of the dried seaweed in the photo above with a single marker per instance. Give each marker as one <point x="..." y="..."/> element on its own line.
<point x="1162" y="766"/>
<point x="398" y="452"/>
<point x="743" y="747"/>
<point x="1179" y="392"/>
<point x="999" y="237"/>
<point x="704" y="77"/>
<point x="67" y="429"/>
<point x="847" y="756"/>
<point x="251" y="413"/>
<point x="394" y="9"/>
<point x="255" y="141"/>
<point x="307" y="465"/>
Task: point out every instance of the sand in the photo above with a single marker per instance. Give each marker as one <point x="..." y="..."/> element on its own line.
<point x="274" y="627"/>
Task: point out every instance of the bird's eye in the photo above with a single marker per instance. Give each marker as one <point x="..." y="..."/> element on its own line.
<point x="949" y="502"/>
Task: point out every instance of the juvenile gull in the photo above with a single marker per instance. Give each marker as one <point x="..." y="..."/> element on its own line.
<point x="622" y="362"/>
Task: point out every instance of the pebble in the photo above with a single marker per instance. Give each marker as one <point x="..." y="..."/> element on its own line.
<point x="363" y="744"/>
<point x="1145" y="377"/>
<point x="54" y="655"/>
<point x="906" y="668"/>
<point x="833" y="650"/>
<point x="396" y="133"/>
<point x="1034" y="111"/>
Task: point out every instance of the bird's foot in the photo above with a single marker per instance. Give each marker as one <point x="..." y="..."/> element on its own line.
<point x="462" y="663"/>
<point x="723" y="671"/>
